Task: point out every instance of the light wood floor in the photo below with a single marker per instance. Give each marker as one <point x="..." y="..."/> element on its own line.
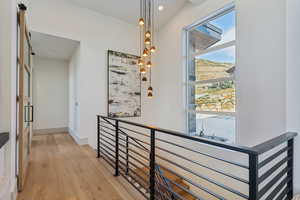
<point x="62" y="170"/>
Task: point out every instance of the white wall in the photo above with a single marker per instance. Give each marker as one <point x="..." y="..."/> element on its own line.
<point x="50" y="93"/>
<point x="261" y="69"/>
<point x="8" y="86"/>
<point x="74" y="114"/>
<point x="97" y="33"/>
<point x="293" y="81"/>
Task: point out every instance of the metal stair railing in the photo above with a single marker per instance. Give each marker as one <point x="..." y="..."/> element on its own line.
<point x="129" y="146"/>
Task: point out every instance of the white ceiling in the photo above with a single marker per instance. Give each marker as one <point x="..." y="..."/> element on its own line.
<point x="128" y="10"/>
<point x="49" y="46"/>
<point x="197" y="1"/>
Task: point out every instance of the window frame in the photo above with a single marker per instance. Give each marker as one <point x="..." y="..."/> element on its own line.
<point x="190" y="57"/>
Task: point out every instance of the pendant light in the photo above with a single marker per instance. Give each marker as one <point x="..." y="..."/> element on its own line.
<point x="147" y="33"/>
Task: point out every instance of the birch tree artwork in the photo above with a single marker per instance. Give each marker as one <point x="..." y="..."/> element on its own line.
<point x="124" y="85"/>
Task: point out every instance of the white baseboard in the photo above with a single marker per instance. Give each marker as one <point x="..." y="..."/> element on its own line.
<point x="78" y="140"/>
<point x="50" y="130"/>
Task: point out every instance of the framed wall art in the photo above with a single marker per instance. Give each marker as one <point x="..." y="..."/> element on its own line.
<point x="124" y="85"/>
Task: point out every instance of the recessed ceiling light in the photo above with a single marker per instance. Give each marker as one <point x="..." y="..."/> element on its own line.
<point x="160" y="7"/>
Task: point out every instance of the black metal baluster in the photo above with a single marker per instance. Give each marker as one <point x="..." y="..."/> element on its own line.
<point x="152" y="166"/>
<point x="117" y="173"/>
<point x="253" y="177"/>
<point x="127" y="154"/>
<point x="290" y="173"/>
<point x="98" y="136"/>
<point x="123" y="157"/>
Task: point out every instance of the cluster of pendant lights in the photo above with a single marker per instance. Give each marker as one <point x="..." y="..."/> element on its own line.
<point x="147" y="47"/>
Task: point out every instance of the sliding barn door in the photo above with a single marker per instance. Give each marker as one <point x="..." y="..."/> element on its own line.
<point x="24" y="101"/>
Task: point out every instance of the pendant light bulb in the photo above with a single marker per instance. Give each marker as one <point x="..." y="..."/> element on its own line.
<point x="144" y="79"/>
<point x="149" y="64"/>
<point x="148" y="34"/>
<point x="153" y="49"/>
<point x="150" y="95"/>
<point x="147" y="41"/>
<point x="150" y="89"/>
<point x="141" y="22"/>
<point x="140" y="62"/>
<point x="146" y="52"/>
<point x="143" y="70"/>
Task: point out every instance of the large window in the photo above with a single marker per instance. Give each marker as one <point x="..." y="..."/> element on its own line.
<point x="211" y="77"/>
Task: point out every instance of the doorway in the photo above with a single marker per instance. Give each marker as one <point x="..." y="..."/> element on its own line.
<point x="54" y="87"/>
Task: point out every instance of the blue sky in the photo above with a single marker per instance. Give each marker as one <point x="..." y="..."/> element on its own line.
<point x="227" y="24"/>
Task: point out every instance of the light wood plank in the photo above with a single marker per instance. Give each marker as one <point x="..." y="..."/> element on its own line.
<point x="60" y="169"/>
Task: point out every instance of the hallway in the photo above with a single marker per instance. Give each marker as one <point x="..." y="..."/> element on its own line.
<point x="60" y="169"/>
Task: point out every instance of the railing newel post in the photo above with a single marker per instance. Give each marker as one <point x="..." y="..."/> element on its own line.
<point x="152" y="166"/>
<point x="253" y="177"/>
<point x="290" y="173"/>
<point x="98" y="136"/>
<point x="117" y="172"/>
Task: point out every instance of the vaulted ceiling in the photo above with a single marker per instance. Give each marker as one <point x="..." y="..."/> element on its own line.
<point x="128" y="10"/>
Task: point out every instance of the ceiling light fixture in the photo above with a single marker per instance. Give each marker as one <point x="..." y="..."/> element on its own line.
<point x="144" y="79"/>
<point x="148" y="34"/>
<point x="161" y="7"/>
<point x="152" y="49"/>
<point x="149" y="64"/>
<point x="141" y="22"/>
<point x="148" y="15"/>
<point x="143" y="70"/>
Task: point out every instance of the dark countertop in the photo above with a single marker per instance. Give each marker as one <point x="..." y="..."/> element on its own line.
<point x="4" y="137"/>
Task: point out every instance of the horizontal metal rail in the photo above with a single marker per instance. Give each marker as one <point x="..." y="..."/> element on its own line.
<point x="131" y="155"/>
<point x="278" y="188"/>
<point x="274" y="156"/>
<point x="233" y="147"/>
<point x="187" y="190"/>
<point x="123" y="173"/>
<point x="135" y="173"/>
<point x="192" y="150"/>
<point x="133" y="131"/>
<point x="273" y="169"/>
<point x="142" y="156"/>
<point x="191" y="182"/>
<point x="272" y="182"/>
<point x="132" y="184"/>
<point x="108" y="138"/>
<point x="107" y="152"/>
<point x="205" y="178"/>
<point x="135" y="159"/>
<point x="173" y="192"/>
<point x="204" y="166"/>
<point x="283" y="193"/>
